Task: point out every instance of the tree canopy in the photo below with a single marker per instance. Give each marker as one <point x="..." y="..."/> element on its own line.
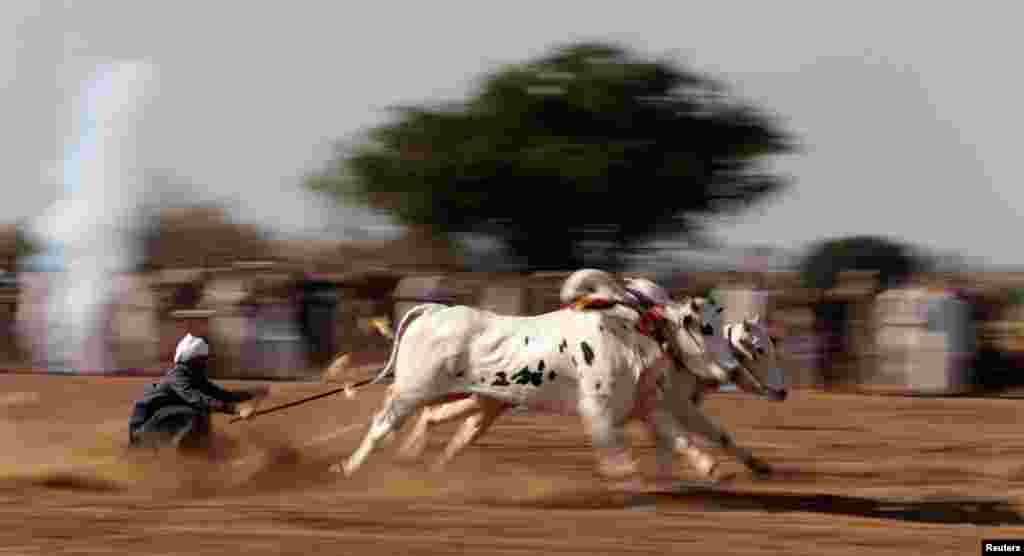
<point x="588" y="145"/>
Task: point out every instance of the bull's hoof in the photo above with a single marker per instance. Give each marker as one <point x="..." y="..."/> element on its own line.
<point x="439" y="467"/>
<point x="617" y="466"/>
<point x="711" y="474"/>
<point x="339" y="468"/>
<point x="759" y="468"/>
<point x="619" y="471"/>
<point x="702" y="462"/>
<point x="636" y="485"/>
<point x="719" y="477"/>
<point x="707" y="467"/>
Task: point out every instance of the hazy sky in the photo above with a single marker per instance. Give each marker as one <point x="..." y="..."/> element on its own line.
<point x="908" y="113"/>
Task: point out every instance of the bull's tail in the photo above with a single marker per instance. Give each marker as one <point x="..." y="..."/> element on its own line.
<point x="383" y="327"/>
<point x="403" y="325"/>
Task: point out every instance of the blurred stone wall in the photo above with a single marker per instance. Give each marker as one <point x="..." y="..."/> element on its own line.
<point x="145" y="333"/>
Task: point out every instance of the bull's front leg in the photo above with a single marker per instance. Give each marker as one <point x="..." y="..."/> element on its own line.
<point x="703" y="462"/>
<point x="693" y="420"/>
<point x="670" y="438"/>
<point x="665" y="431"/>
<point x="608" y="436"/>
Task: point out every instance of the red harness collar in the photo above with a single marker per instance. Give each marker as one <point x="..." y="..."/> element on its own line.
<point x="589" y="303"/>
<point x="648" y="319"/>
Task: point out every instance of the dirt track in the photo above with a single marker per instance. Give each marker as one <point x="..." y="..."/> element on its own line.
<point x="864" y="475"/>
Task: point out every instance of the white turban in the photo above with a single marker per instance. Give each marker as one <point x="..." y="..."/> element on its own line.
<point x="189" y="348"/>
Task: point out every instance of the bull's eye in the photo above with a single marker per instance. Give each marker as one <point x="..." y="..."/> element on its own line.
<point x="760" y="350"/>
<point x="707" y="330"/>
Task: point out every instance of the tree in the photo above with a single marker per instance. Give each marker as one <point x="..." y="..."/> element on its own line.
<point x="24" y="245"/>
<point x="589" y="144"/>
<point x="893" y="261"/>
<point x="16" y="244"/>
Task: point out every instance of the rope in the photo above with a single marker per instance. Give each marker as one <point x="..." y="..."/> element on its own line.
<point x="302" y="401"/>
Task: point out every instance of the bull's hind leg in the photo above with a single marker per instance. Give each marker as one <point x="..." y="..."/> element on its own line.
<point x="487" y="411"/>
<point x="416" y="442"/>
<point x="388" y="419"/>
<point x="389" y="438"/>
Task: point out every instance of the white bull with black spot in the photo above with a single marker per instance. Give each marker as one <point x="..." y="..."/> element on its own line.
<point x="748" y="340"/>
<point x="595" y="363"/>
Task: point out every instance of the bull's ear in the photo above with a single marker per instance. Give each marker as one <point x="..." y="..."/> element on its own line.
<point x="746" y="326"/>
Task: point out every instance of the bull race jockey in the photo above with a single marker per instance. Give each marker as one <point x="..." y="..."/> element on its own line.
<point x="176" y="410"/>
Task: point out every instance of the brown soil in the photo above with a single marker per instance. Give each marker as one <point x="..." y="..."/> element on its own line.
<point x="855" y="475"/>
